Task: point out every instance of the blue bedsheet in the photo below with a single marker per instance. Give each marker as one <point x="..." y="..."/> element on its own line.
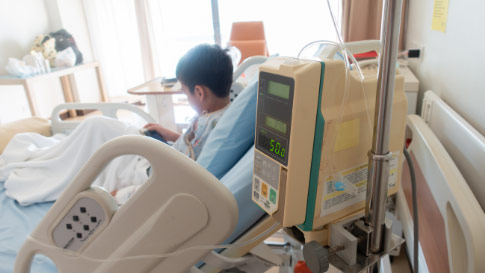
<point x="16" y="222"/>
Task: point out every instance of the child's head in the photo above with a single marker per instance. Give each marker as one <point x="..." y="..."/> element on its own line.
<point x="205" y="73"/>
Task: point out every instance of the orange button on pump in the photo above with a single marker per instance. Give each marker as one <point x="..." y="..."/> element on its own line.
<point x="264" y="190"/>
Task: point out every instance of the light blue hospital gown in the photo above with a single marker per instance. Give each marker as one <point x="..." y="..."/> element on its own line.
<point x="190" y="144"/>
<point x="199" y="129"/>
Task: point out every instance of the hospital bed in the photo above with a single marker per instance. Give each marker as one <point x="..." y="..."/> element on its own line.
<point x="462" y="214"/>
<point x="237" y="179"/>
<point x="241" y="114"/>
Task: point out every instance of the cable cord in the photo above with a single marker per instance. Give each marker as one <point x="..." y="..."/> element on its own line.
<point x="415" y="211"/>
<point x="74" y="255"/>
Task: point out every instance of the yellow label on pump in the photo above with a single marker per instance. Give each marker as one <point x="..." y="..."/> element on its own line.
<point x="348" y="135"/>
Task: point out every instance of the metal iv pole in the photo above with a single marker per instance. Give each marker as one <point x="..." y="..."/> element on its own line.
<point x="370" y="238"/>
<point x="380" y="156"/>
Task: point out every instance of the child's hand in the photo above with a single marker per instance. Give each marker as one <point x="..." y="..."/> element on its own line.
<point x="164" y="132"/>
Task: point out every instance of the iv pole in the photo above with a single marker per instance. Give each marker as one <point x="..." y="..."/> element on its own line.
<point x="379" y="155"/>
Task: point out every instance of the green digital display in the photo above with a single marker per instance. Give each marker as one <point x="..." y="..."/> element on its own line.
<point x="273" y="146"/>
<point x="275" y="124"/>
<point x="279" y="90"/>
<point x="276" y="148"/>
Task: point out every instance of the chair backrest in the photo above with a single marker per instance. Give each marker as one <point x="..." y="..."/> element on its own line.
<point x="249" y="38"/>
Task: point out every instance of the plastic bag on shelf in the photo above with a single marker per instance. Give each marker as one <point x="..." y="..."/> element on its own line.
<point x="19" y="68"/>
<point x="65" y="58"/>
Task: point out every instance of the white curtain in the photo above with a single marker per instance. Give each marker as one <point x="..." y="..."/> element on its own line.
<point x="175" y="27"/>
<point x="115" y="41"/>
<point x="289" y="25"/>
<point x="169" y="28"/>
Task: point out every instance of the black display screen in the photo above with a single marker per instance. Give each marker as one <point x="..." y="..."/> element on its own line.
<point x="275" y="106"/>
<point x="275" y="124"/>
<point x="279" y="89"/>
<point x="274" y="145"/>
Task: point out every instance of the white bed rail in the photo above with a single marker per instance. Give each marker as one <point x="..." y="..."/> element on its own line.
<point x="236" y="86"/>
<point x="464" y="143"/>
<point x="107" y="109"/>
<point x="464" y="219"/>
<point x="179" y="206"/>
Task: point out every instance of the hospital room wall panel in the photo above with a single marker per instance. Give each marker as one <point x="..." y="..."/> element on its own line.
<point x="13" y="100"/>
<point x="20" y="22"/>
<point x="47" y="94"/>
<point x="452" y="63"/>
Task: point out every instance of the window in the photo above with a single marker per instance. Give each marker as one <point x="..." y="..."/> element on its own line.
<point x="177" y="26"/>
<point x="137" y="40"/>
<point x="289" y="25"/>
<point x="174" y="27"/>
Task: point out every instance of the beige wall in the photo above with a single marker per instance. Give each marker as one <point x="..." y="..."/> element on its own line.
<point x="20" y="22"/>
<point x="453" y="62"/>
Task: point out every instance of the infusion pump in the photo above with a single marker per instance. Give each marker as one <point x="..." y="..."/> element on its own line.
<point x="313" y="132"/>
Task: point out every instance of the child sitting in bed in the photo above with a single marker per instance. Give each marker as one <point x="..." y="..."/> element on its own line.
<point x="205" y="74"/>
<point x="38" y="169"/>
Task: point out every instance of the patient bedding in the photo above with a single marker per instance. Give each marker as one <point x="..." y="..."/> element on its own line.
<point x="37" y="168"/>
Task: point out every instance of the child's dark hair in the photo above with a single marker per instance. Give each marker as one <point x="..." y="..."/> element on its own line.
<point x="206" y="65"/>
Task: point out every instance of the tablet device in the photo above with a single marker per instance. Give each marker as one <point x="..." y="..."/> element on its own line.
<point x="154" y="134"/>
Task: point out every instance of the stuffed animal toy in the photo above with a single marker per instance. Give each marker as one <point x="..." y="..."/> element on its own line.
<point x="64" y="40"/>
<point x="47" y="46"/>
<point x="50" y="45"/>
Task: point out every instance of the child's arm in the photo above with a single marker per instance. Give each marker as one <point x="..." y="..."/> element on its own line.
<point x="164" y="132"/>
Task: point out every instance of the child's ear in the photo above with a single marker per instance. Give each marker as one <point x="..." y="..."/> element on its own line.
<point x="200" y="92"/>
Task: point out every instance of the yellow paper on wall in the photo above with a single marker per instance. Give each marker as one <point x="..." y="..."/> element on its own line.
<point x="440" y="15"/>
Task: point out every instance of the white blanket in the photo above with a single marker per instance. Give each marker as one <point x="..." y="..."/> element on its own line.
<point x="37" y="168"/>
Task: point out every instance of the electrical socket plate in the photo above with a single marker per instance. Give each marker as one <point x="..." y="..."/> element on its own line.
<point x="416" y="45"/>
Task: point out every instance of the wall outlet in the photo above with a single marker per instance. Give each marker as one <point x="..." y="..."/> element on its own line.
<point x="414" y="49"/>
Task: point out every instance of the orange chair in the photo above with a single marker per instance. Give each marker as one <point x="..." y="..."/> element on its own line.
<point x="249" y="38"/>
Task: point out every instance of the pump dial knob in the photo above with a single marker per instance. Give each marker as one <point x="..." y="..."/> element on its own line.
<point x="316" y="257"/>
